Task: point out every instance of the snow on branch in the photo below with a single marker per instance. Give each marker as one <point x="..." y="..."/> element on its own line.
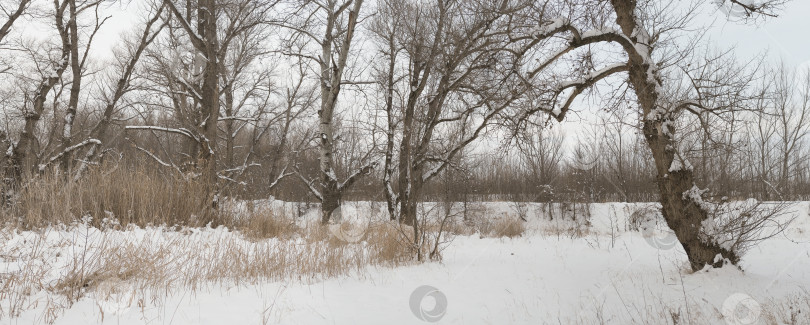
<point x="364" y="170"/>
<point x="231" y="180"/>
<point x="68" y="150"/>
<point x="241" y="168"/>
<point x="282" y="175"/>
<point x="159" y="161"/>
<point x="680" y="163"/>
<point x="239" y="118"/>
<point x="182" y="131"/>
<point x="309" y="183"/>
<point x="594" y="75"/>
<point x="555" y="26"/>
<point x="638" y="47"/>
<point x="196" y="40"/>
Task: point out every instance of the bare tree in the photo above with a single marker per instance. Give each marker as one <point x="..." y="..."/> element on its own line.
<point x="541" y="155"/>
<point x="78" y="64"/>
<point x="714" y="85"/>
<point x="791" y="101"/>
<point x="126" y="66"/>
<point x="23" y="155"/>
<point x="214" y="29"/>
<point x="458" y="59"/>
<point x="331" y="25"/>
<point x="385" y="27"/>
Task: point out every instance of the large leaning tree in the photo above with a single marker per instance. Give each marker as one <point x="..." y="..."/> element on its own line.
<point x="630" y="44"/>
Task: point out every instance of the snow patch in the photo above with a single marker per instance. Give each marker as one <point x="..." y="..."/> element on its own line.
<point x="555" y="24"/>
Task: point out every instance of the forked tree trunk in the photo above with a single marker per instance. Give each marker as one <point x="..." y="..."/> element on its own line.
<point x="331" y="200"/>
<point x="331" y="69"/>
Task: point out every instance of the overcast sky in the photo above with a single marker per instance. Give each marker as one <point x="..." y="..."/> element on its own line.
<point x="785" y="37"/>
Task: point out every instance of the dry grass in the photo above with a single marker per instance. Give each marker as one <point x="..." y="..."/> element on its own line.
<point x="262" y="223"/>
<point x="794" y="310"/>
<point x="139" y="196"/>
<point x="499" y="227"/>
<point x="479" y="219"/>
<point x="121" y="231"/>
<point x="508" y="227"/>
<point x="62" y="265"/>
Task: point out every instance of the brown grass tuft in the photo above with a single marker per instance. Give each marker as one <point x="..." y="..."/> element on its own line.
<point x="508" y="227"/>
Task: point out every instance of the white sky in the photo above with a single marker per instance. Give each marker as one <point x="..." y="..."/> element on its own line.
<point x="785" y="37"/>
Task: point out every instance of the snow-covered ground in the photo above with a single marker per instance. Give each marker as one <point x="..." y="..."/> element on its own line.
<point x="556" y="273"/>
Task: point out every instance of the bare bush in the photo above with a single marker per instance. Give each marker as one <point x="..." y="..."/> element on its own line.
<point x="739" y="225"/>
<point x="794" y="310"/>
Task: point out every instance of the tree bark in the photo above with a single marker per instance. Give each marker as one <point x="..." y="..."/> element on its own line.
<point x="75" y="87"/>
<point x="210" y="94"/>
<point x="683" y="213"/>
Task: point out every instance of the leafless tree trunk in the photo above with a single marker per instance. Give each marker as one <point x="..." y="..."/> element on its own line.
<point x="331" y="69"/>
<point x="205" y="40"/>
<point x="791" y="102"/>
<point x="386" y="27"/>
<point x="78" y="61"/>
<point x="339" y="25"/>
